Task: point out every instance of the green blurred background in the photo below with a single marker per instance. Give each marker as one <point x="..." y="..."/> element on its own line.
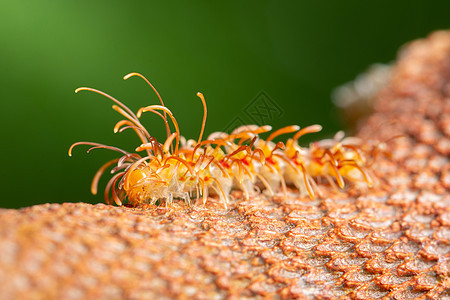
<point x="296" y="51"/>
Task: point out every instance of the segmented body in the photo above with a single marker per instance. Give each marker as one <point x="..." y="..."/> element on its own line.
<point x="187" y="169"/>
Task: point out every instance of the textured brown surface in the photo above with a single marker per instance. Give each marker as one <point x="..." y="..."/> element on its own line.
<point x="392" y="241"/>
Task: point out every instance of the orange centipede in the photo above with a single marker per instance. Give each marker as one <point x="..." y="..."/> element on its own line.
<point x="186" y="169"/>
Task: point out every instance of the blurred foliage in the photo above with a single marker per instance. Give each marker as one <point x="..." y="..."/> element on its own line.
<point x="296" y="51"/>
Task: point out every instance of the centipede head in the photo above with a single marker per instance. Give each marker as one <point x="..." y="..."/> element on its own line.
<point x="143" y="185"/>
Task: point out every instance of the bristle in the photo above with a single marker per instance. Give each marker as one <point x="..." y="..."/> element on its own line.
<point x="287" y="129"/>
<point x="101" y="170"/>
<point x="205" y="112"/>
<point x="156" y="92"/>
<point x="154" y="108"/>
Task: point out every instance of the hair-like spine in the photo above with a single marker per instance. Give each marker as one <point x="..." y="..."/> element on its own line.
<point x="186" y="169"/>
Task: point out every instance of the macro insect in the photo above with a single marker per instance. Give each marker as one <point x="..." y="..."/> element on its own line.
<point x="192" y="169"/>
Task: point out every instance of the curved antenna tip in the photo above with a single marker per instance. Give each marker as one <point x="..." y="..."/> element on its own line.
<point x="128" y="76"/>
<point x="199" y="94"/>
<point x="70" y="150"/>
<point x="79" y="89"/>
<point x="131" y="75"/>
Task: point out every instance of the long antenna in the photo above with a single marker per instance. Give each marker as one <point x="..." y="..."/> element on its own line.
<point x="205" y="112"/>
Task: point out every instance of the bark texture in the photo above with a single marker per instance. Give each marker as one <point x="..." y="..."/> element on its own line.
<point x="392" y="241"/>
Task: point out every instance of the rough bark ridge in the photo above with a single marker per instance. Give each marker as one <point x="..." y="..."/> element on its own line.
<point x="389" y="242"/>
